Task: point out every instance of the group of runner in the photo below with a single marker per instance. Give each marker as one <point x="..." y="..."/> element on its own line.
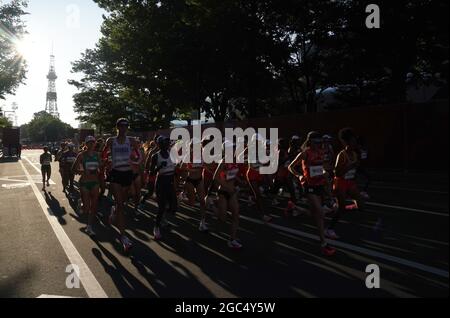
<point x="134" y="172"/>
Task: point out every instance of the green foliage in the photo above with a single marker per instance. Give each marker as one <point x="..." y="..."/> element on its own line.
<point x="46" y="128"/>
<point x="160" y="60"/>
<point x="12" y="64"/>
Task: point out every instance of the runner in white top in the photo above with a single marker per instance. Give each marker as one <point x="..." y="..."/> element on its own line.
<point x="121" y="176"/>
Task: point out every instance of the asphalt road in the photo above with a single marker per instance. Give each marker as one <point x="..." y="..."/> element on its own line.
<point x="41" y="235"/>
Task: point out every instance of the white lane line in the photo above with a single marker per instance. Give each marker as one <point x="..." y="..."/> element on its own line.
<point x="406" y="209"/>
<point x="90" y="283"/>
<point x="32" y="164"/>
<point x="408" y="189"/>
<point x="394" y="259"/>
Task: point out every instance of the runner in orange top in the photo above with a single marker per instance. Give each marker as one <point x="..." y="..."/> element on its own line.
<point x="344" y="184"/>
<point x="313" y="180"/>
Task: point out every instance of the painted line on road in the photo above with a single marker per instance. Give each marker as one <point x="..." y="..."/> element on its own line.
<point x="87" y="278"/>
<point x="394" y="259"/>
<point x="406" y="209"/>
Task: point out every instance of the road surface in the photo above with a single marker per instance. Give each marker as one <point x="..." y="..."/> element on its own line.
<point x="41" y="235"/>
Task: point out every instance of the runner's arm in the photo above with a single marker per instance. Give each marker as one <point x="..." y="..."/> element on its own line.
<point x="301" y="156"/>
<point x="75" y="167"/>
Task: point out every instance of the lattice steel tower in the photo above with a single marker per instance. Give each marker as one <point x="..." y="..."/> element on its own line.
<point x="51" y="106"/>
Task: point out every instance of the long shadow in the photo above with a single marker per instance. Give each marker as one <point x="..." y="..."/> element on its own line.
<point x="56" y="208"/>
<point x="127" y="284"/>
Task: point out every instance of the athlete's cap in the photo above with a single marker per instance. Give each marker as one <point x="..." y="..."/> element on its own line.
<point x="161" y="139"/>
<point x="122" y="121"/>
<point x="295" y="137"/>
<point x="327" y="137"/>
<point x="90" y="139"/>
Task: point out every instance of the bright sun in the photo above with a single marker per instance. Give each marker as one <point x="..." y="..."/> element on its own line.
<point x="25" y="46"/>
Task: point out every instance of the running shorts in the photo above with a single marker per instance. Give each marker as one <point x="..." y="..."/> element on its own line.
<point x="123" y="178"/>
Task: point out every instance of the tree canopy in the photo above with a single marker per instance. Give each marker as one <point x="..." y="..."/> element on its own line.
<point x="161" y="60"/>
<point x="12" y="64"/>
<point x="46" y="128"/>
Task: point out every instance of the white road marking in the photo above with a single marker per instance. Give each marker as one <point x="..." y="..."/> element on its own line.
<point x="15" y="185"/>
<point x="406" y="209"/>
<point x="394" y="259"/>
<point x="90" y="283"/>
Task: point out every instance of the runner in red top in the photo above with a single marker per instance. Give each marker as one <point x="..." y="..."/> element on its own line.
<point x="226" y="177"/>
<point x="345" y="185"/>
<point x="313" y="180"/>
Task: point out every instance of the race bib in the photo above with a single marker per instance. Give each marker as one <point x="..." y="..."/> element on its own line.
<point x="315" y="171"/>
<point x="350" y="174"/>
<point x="91" y="166"/>
<point x="46" y="163"/>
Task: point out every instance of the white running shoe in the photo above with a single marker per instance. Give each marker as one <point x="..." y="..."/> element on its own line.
<point x="203" y="227"/>
<point x="275" y="202"/>
<point x="267" y="218"/>
<point x="234" y="244"/>
<point x="127" y="244"/>
<point x="157" y="233"/>
<point x="331" y="234"/>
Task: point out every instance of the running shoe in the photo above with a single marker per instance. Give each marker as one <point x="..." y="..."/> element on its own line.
<point x="203" y="227"/>
<point x="48" y="184"/>
<point x="234" y="244"/>
<point x="267" y="218"/>
<point x="250" y="201"/>
<point x="275" y="202"/>
<point x="126" y="243"/>
<point x="331" y="234"/>
<point x="90" y="230"/>
<point x="327" y="250"/>
<point x="157" y="233"/>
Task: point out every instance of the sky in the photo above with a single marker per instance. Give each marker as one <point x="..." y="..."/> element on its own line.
<point x="72" y="26"/>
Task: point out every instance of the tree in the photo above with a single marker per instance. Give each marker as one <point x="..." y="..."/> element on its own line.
<point x="12" y="64"/>
<point x="4" y="122"/>
<point x="47" y="128"/>
<point x="160" y="60"/>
